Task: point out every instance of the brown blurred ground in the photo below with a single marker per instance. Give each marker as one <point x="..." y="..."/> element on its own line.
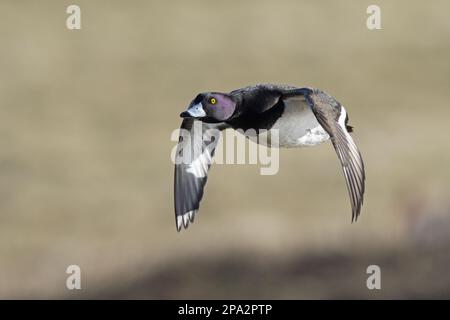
<point x="86" y="178"/>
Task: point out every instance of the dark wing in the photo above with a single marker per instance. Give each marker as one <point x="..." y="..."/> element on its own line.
<point x="193" y="159"/>
<point x="261" y="97"/>
<point x="331" y="116"/>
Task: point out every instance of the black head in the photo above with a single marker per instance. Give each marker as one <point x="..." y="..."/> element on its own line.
<point x="211" y="106"/>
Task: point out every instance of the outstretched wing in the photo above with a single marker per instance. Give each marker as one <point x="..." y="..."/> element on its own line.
<point x="332" y="117"/>
<point x="193" y="159"/>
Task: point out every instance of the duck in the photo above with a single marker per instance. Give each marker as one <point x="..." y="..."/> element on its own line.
<point x="303" y="116"/>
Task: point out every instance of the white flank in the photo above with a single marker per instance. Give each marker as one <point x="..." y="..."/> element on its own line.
<point x="298" y="125"/>
<point x="313" y="137"/>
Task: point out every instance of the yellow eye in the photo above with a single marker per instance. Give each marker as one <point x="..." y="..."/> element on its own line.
<point x="213" y="101"/>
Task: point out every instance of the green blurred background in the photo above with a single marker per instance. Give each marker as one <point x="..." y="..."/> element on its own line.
<point x="85" y="170"/>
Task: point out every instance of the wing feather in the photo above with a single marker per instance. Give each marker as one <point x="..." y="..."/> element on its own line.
<point x="194" y="154"/>
<point x="327" y="111"/>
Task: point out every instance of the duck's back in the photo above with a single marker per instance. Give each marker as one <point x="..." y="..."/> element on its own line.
<point x="263" y="109"/>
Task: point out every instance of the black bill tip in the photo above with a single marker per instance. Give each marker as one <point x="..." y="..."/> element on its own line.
<point x="185" y="114"/>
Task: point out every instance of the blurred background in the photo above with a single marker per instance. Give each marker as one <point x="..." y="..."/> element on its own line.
<point x="86" y="177"/>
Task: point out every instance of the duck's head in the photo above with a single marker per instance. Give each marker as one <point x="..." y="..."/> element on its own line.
<point x="211" y="106"/>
